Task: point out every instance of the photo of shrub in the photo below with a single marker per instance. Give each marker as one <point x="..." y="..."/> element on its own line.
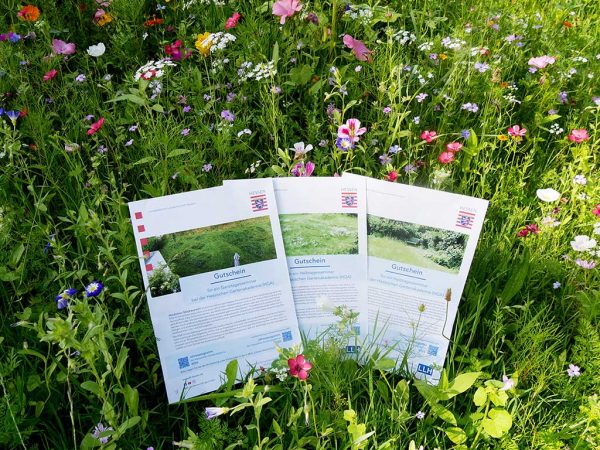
<point x="201" y="250"/>
<point x="319" y="234"/>
<point x="417" y="245"/>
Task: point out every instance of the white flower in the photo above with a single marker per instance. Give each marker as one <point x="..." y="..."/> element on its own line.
<point x="96" y="50"/>
<point x="301" y="150"/>
<point x="583" y="243"/>
<point x="556" y="285"/>
<point x="548" y="195"/>
<point x="550" y="222"/>
<point x="597" y="228"/>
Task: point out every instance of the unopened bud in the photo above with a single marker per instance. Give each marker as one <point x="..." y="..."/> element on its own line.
<point x="448" y="295"/>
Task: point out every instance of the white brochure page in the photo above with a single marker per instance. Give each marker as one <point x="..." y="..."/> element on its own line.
<point x="323" y="222"/>
<point x="421" y="244"/>
<point x="216" y="279"/>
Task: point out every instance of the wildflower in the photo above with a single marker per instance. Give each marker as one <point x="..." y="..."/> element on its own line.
<point x="185" y="131"/>
<point x="420" y="415"/>
<point x="481" y="67"/>
<point x="102" y="149"/>
<point x="582" y="243"/>
<point x="98" y="430"/>
<point x="385" y="159"/>
<point x="578" y="136"/>
<point x="299" y="367"/>
<point x="421" y="97"/>
<point x="585" y="264"/>
<point x="595" y="209"/>
<point x="471" y="107"/>
<point x="95" y="126"/>
<point x="80" y="78"/>
<point x="548" y="195"/>
<point x="303" y="170"/>
<point x="62" y="299"/>
<point x="203" y="44"/>
<point x="29" y="13"/>
<point x="101" y="18"/>
<point x="233" y="20"/>
<point x="509" y="383"/>
<point x="344" y="144"/>
<point x="387" y="110"/>
<point x="563" y="97"/>
<point x="93" y="289"/>
<point x="465" y="134"/>
<point x="351" y="130"/>
<point x="13" y="116"/>
<point x="227" y="115"/>
<point x="153" y="22"/>
<point x="153" y="69"/>
<point x="446" y="157"/>
<point x="50" y="74"/>
<point x="573" y="370"/>
<point x="62" y="48"/>
<point x="285" y="9"/>
<point x="96" y="50"/>
<point x="541" y="62"/>
<point x="391" y="176"/>
<point x="174" y="51"/>
<point x="428" y="136"/>
<point x="213" y="411"/>
<point x="517" y="132"/>
<point x="454" y="147"/>
<point x="128" y="143"/>
<point x="207" y="167"/>
<point x="528" y="229"/>
<point x="300" y="149"/>
<point x="69" y="148"/>
<point x="410" y="169"/>
<point x="556" y="285"/>
<point x="394" y="149"/>
<point x="359" y="49"/>
<point x="550" y="222"/>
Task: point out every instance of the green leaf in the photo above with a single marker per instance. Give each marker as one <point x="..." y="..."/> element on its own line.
<point x="516" y="280"/>
<point x="178" y="152"/>
<point x="278" y="171"/>
<point x="275" y="57"/>
<point x="456" y="435"/>
<point x="131" y="422"/>
<point x="443" y="413"/>
<point x="91" y="386"/>
<point x="145" y="160"/>
<point x="132" y="399"/>
<point x="158" y="108"/>
<point x="16" y="255"/>
<point x="480" y="396"/>
<point x="130" y="98"/>
<point x="460" y="384"/>
<point x="384" y="364"/>
<point x="231" y="373"/>
<point x="502" y="418"/>
<point x="123" y="353"/>
<point x="302" y="74"/>
<point x="277" y="428"/>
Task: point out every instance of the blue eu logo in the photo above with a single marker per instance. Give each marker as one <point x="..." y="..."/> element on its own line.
<point x="427" y="370"/>
<point x="286" y="336"/>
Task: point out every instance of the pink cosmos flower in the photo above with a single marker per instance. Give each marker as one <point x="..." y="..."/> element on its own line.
<point x="299" y="367"/>
<point x="541" y="61"/>
<point x="454" y="147"/>
<point x="359" y="49"/>
<point x="578" y="136"/>
<point x="428" y="136"/>
<point x="285" y="9"/>
<point x="446" y="157"/>
<point x="232" y="21"/>
<point x="95" y="126"/>
<point x="517" y="131"/>
<point x="351" y="130"/>
<point x="50" y="74"/>
<point x="62" y="48"/>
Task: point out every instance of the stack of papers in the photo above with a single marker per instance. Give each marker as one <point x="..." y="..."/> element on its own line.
<point x="232" y="272"/>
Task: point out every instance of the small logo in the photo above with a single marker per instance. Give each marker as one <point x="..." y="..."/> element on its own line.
<point x="183" y="362"/>
<point x="427" y="370"/>
<point x="286" y="336"/>
<point x="432" y="350"/>
<point x="259" y="202"/>
<point x="465" y="219"/>
<point x="349" y="200"/>
<point x="353" y="348"/>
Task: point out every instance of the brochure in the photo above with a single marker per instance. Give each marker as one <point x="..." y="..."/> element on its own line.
<point x="323" y="222"/>
<point x="215" y="272"/>
<point x="420" y="243"/>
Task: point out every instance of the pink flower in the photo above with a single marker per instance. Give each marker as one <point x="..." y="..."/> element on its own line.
<point x="578" y="136"/>
<point x="351" y="130"/>
<point x="303" y="170"/>
<point x="299" y="367"/>
<point x="62" y="48"/>
<point x="285" y="9"/>
<point x="359" y="49"/>
<point x="596" y="210"/>
<point x="446" y="157"/>
<point x="50" y="74"/>
<point x="95" y="126"/>
<point x="541" y="61"/>
<point x="454" y="147"/>
<point x="428" y="136"/>
<point x="517" y="131"/>
<point x="232" y="21"/>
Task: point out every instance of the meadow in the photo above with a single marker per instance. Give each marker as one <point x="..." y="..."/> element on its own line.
<point x="319" y="234"/>
<point x="103" y="102"/>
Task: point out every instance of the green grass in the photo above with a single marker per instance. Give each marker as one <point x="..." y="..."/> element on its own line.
<point x="395" y="250"/>
<point x="212" y="248"/>
<point x="319" y="234"/>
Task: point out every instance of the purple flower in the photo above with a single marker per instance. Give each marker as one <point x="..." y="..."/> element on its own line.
<point x="133" y="128"/>
<point x="62" y="299"/>
<point x="93" y="289"/>
<point x="13" y="116"/>
<point x="102" y="149"/>
<point x="471" y="107"/>
<point x="481" y="67"/>
<point x="213" y="411"/>
<point x="303" y="170"/>
<point x="323" y="143"/>
<point x="80" y="78"/>
<point x="585" y="264"/>
<point x="421" y="97"/>
<point x="98" y="430"/>
<point x="187" y="108"/>
<point x="563" y="97"/>
<point x="185" y="131"/>
<point x="509" y="383"/>
<point x="573" y="370"/>
<point x="344" y="144"/>
<point x="275" y="90"/>
<point x="227" y="115"/>
<point x="409" y="168"/>
<point x="420" y="415"/>
<point x="128" y="143"/>
<point x="385" y="159"/>
<point x="207" y="167"/>
<point x="465" y="134"/>
<point x="387" y="110"/>
<point x="89" y="117"/>
<point x="13" y="38"/>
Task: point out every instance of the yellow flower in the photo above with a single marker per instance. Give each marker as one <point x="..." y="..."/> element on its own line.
<point x="443" y="56"/>
<point x="104" y="19"/>
<point x="503" y="137"/>
<point x="203" y="44"/>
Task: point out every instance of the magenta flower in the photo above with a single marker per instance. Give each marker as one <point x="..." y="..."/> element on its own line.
<point x="446" y="157"/>
<point x="95" y="126"/>
<point x="359" y="49"/>
<point x="233" y="20"/>
<point x="516" y="131"/>
<point x="428" y="136"/>
<point x="303" y="170"/>
<point x="351" y="130"/>
<point x="578" y="136"/>
<point x="541" y="61"/>
<point x="299" y="367"/>
<point x="454" y="147"/>
<point x="285" y="9"/>
<point x="596" y="210"/>
<point x="62" y="48"/>
<point x="50" y="74"/>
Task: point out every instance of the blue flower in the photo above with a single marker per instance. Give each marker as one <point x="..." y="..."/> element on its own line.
<point x="465" y="134"/>
<point x="93" y="289"/>
<point x="13" y="38"/>
<point x="62" y="299"/>
<point x="344" y="144"/>
<point x="213" y="411"/>
<point x="13" y="116"/>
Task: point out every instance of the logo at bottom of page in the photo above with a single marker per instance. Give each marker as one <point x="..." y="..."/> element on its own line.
<point x="425" y="369"/>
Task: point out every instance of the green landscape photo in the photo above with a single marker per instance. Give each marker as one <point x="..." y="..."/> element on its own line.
<point x="319" y="234"/>
<point x="417" y="245"/>
<point x="216" y="247"/>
